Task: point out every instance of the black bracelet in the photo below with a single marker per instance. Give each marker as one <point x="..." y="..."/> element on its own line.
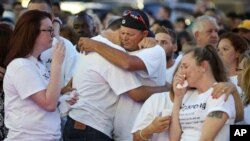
<point x="58" y="21"/>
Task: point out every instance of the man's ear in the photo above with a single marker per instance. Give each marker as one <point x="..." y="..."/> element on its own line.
<point x="145" y="33"/>
<point x="196" y="34"/>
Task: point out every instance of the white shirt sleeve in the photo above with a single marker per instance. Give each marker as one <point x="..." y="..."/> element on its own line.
<point x="152" y="108"/>
<point x="145" y="116"/>
<point x="220" y="104"/>
<point x="153" y="58"/>
<point x="27" y="80"/>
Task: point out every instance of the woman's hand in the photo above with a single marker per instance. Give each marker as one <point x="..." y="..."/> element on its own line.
<point x="73" y="97"/>
<point x="223" y="88"/>
<point x="179" y="79"/>
<point x="160" y="124"/>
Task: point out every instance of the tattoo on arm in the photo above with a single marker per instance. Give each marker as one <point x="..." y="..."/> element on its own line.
<point x="215" y="114"/>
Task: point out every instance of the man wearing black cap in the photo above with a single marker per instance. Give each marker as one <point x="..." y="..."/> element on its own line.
<point x="100" y="84"/>
<point x="149" y="65"/>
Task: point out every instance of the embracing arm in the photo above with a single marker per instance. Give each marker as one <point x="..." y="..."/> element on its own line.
<point x="115" y="56"/>
<point x="142" y="93"/>
<point x="68" y="87"/>
<point x="229" y="88"/>
<point x="212" y="125"/>
<point x="239" y="108"/>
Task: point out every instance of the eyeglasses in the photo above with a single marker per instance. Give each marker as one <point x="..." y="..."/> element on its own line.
<point x="239" y="69"/>
<point x="50" y="30"/>
<point x="134" y="15"/>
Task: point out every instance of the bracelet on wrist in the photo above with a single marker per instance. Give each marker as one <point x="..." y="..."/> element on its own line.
<point x="143" y="138"/>
<point x="58" y="21"/>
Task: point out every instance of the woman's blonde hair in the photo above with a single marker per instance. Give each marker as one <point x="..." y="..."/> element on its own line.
<point x="245" y="81"/>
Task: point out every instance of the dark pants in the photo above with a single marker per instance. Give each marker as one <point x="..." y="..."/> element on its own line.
<point x="76" y="131"/>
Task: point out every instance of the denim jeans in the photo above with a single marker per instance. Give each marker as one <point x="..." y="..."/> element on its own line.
<point x="70" y="133"/>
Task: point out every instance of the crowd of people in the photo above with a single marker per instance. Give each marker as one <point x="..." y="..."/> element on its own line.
<point x="136" y="77"/>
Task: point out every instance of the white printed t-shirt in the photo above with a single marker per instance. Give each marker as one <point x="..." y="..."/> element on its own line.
<point x="196" y="107"/>
<point x="69" y="61"/>
<point x="155" y="61"/>
<point x="152" y="108"/>
<point x="99" y="84"/>
<point x="26" y="120"/>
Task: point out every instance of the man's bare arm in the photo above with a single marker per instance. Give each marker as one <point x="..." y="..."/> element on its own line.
<point x="142" y="93"/>
<point x="115" y="56"/>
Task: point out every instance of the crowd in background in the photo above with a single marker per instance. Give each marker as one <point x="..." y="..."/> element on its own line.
<point x="129" y="58"/>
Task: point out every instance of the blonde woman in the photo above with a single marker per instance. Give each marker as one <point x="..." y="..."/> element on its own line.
<point x="244" y="82"/>
<point x="196" y="114"/>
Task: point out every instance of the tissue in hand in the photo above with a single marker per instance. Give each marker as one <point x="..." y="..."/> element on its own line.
<point x="185" y="84"/>
<point x="166" y="112"/>
<point x="64" y="106"/>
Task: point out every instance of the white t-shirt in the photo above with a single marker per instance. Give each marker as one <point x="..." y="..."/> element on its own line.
<point x="246" y="120"/>
<point x="26" y="120"/>
<point x="155" y="61"/>
<point x="196" y="107"/>
<point x="99" y="84"/>
<point x="69" y="61"/>
<point x="234" y="80"/>
<point x="155" y="64"/>
<point x="246" y="114"/>
<point x="152" y="108"/>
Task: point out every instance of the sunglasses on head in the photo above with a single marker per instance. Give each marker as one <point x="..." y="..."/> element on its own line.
<point x="134" y="15"/>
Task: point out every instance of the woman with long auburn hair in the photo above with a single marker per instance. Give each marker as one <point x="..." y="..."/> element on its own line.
<point x="31" y="93"/>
